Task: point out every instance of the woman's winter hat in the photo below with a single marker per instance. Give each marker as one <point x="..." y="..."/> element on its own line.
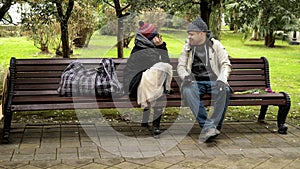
<point x="198" y="25"/>
<point x="148" y="30"/>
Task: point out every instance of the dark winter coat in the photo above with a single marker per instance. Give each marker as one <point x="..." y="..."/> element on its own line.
<point x="143" y="56"/>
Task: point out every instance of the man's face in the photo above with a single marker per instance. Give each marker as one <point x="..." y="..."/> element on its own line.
<point x="196" y="38"/>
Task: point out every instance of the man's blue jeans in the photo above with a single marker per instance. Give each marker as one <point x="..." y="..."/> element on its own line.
<point x="192" y="94"/>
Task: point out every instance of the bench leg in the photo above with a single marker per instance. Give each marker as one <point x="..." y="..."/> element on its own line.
<point x="262" y="114"/>
<point x="6" y="127"/>
<point x="281" y="117"/>
<point x="282" y="114"/>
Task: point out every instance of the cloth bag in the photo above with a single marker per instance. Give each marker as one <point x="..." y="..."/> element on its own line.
<point x="102" y="81"/>
<point x="107" y="83"/>
<point x="69" y="80"/>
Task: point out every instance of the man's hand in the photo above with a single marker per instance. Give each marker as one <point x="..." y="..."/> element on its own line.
<point x="188" y="80"/>
<point x="221" y="86"/>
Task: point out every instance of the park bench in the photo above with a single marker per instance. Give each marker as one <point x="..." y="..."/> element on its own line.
<point x="33" y="83"/>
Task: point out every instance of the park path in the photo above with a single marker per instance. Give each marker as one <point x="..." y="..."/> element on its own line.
<point x="242" y="145"/>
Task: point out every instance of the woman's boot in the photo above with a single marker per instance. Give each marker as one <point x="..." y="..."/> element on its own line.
<point x="146" y="114"/>
<point x="156" y="122"/>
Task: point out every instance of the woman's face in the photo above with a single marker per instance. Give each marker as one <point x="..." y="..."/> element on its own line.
<point x="196" y="38"/>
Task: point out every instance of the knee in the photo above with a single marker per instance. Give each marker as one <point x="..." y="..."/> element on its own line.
<point x="228" y="92"/>
<point x="187" y="91"/>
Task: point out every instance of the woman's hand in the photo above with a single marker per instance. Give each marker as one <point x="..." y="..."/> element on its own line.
<point x="157" y="41"/>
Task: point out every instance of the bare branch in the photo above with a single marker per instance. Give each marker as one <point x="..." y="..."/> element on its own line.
<point x="69" y="9"/>
<point x="105" y="1"/>
<point x="127" y="6"/>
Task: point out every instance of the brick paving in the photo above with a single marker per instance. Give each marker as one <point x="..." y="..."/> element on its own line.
<point x="87" y="146"/>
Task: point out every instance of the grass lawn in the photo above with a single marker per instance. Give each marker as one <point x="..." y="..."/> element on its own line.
<point x="284" y="61"/>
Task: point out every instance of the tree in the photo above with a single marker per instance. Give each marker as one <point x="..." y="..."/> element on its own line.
<point x="83" y="22"/>
<point x="209" y="10"/>
<point x="63" y="19"/>
<point x="267" y="17"/>
<point x="42" y="16"/>
<point x="5" y="7"/>
<point x="38" y="19"/>
<point x="231" y="8"/>
<point x="124" y="9"/>
<point x="120" y="14"/>
<point x="187" y="8"/>
<point x="41" y="21"/>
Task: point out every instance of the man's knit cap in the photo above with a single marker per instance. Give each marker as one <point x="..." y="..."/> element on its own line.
<point x="198" y="25"/>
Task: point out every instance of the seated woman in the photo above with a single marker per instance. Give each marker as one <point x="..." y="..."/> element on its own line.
<point x="148" y="72"/>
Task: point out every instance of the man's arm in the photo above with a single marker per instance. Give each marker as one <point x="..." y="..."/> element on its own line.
<point x="182" y="63"/>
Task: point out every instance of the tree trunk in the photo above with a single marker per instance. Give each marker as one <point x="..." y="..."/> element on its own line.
<point x="65" y="39"/>
<point x="231" y="24"/>
<point x="235" y="18"/>
<point x="44" y="49"/>
<point x="127" y="41"/>
<point x="205" y="9"/>
<point x="216" y="19"/>
<point x="254" y="34"/>
<point x="81" y="39"/>
<point x="120" y="28"/>
<point x="120" y="38"/>
<point x="5" y="8"/>
<point x="270" y="40"/>
<point x="63" y="19"/>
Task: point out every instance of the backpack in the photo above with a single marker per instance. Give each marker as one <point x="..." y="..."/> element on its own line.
<point x="102" y="81"/>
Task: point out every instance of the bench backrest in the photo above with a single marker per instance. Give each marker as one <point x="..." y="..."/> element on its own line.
<point x="42" y="76"/>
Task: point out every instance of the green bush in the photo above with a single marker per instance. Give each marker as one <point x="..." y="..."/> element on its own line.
<point x="9" y="30"/>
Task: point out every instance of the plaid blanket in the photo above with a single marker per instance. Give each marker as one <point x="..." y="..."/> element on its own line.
<point x="76" y="80"/>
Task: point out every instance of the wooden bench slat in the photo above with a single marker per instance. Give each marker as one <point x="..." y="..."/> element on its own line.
<point x="247" y="83"/>
<point x="246" y="78"/>
<point x="257" y="102"/>
<point x="247" y="72"/>
<point x="34" y="68"/>
<point x="38" y="74"/>
<point x="248" y="66"/>
<point x="175" y="103"/>
<point x="65" y="61"/>
<point x="258" y="96"/>
<point x="246" y="60"/>
<point x="36" y="87"/>
<point x="27" y="81"/>
<point x="44" y="93"/>
<point x="176" y="96"/>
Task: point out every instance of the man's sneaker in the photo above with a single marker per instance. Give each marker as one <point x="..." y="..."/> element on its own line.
<point x="156" y="133"/>
<point x="211" y="133"/>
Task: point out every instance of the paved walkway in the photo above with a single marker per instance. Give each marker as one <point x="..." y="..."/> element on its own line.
<point x="241" y="145"/>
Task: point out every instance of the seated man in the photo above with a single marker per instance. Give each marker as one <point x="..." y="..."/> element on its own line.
<point x="204" y="67"/>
